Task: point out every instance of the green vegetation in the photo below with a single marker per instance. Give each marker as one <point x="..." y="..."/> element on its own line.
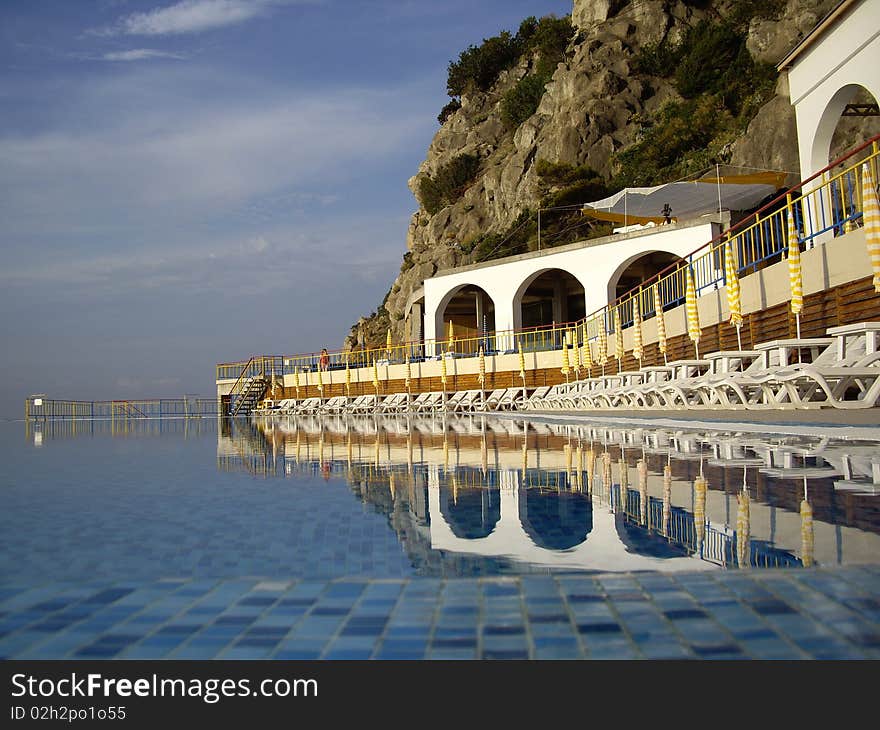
<point x="722" y="86"/>
<point x="478" y="67"/>
<point x="448" y="110"/>
<point x="449" y="184"/>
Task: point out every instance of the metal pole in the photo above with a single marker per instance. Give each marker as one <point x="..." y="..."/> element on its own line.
<point x="539" y="229"/>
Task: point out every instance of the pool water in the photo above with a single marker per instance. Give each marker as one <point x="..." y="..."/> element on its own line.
<point x="434" y="539"/>
<point x="391" y="498"/>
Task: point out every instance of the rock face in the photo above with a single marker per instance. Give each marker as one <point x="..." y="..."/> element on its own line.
<point x="590" y="110"/>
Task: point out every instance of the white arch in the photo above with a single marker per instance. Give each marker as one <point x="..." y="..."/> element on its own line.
<point x="615" y="276"/>
<point x="529" y="280"/>
<point x="440" y="309"/>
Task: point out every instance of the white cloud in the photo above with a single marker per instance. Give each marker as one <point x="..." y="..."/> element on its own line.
<point x="139" y="54"/>
<point x="192" y="16"/>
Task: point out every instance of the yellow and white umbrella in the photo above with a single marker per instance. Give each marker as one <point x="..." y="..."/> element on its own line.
<point x="566" y="365"/>
<point x="661" y="321"/>
<point x="734" y="301"/>
<point x="693" y="315"/>
<point x="871" y="214"/>
<point x="376" y="376"/>
<point x="388" y="343"/>
<point x="408" y="380"/>
<point x="588" y="355"/>
<point x="451" y="344"/>
<point x="320" y="382"/>
<point x="296" y="381"/>
<point x="619" y="352"/>
<point x="602" y="343"/>
<point x="522" y="368"/>
<point x="795" y="275"/>
<point x="578" y="362"/>
<point x="481" y="378"/>
<point x="638" y="347"/>
<point x="347" y="379"/>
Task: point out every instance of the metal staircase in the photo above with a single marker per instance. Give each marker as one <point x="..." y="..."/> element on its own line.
<point x="252" y="391"/>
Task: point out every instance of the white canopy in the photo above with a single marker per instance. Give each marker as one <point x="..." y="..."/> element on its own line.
<point x="688" y="199"/>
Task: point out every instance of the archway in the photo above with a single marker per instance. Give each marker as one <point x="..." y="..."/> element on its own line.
<point x="471" y="311"/>
<point x="470" y="513"/>
<point x="849" y="117"/>
<point x="551" y="296"/>
<point x="640" y="268"/>
<point x="555" y="520"/>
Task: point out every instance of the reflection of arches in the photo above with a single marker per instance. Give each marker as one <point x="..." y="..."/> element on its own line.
<point x="555" y="520"/>
<point x="472" y="514"/>
<point x="638" y="268"/>
<point x="829" y="123"/>
<point x="548" y="296"/>
<point x="470" y="308"/>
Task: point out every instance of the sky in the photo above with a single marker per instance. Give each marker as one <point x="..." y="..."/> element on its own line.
<point x="193" y="182"/>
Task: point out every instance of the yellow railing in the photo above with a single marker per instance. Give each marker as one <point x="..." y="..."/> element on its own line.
<point x="826" y="205"/>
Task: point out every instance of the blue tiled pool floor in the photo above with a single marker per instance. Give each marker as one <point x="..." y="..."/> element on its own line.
<point x="761" y="614"/>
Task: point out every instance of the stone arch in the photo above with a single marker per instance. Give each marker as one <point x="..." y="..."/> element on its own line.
<point x="565" y="305"/>
<point x="639" y="267"/>
<point x="468" y="320"/>
<point x="829" y="119"/>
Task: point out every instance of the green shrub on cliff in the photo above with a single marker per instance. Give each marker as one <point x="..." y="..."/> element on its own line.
<point x="449" y="184"/>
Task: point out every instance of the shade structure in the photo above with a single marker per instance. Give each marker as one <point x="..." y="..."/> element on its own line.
<point x="619" y="352"/>
<point x="691" y="311"/>
<point x="871" y="214"/>
<point x="588" y="355"/>
<point x="602" y="343"/>
<point x="661" y="320"/>
<point x="638" y="347"/>
<point x="795" y="275"/>
<point x="566" y="364"/>
<point x="734" y="302"/>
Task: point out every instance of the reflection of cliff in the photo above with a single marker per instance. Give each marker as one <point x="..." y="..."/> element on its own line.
<point x="475" y="494"/>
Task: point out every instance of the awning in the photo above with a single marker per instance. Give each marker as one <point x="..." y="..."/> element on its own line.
<point x="689" y="199"/>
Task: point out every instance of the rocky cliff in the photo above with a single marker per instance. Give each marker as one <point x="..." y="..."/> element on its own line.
<point x="621" y="107"/>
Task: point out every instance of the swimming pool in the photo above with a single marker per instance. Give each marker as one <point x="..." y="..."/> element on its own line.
<point x="291" y="527"/>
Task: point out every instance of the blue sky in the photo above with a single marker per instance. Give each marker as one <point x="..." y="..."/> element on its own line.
<point x="185" y="183"/>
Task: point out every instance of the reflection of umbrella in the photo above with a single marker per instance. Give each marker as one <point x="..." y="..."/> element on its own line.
<point x="642" y="469"/>
<point x="795" y="276"/>
<point x="588" y="356"/>
<point x="525" y="458"/>
<point x="484" y="454"/>
<point x="623" y="479"/>
<point x="667" y="497"/>
<point x="391" y="484"/>
<point x="693" y="315"/>
<point x="743" y="528"/>
<point x="579" y="467"/>
<point x="591" y="469"/>
<point x="661" y="321"/>
<point x="733" y="294"/>
<point x="700" y="488"/>
<point x="637" y="329"/>
<point x="606" y="475"/>
<point x="871" y="215"/>
<point x="619" y="352"/>
<point x="806" y="530"/>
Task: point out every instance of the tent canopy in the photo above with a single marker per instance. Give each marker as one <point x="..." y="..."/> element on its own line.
<point x="689" y="199"/>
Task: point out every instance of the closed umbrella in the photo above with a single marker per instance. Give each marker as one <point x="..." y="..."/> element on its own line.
<point x="408" y="380"/>
<point x="566" y="365"/>
<point x="795" y="275"/>
<point x="451" y="336"/>
<point x="482" y="376"/>
<point x="693" y="315"/>
<point x="522" y="368"/>
<point x="296" y="381"/>
<point x="588" y="355"/>
<point x="618" y="339"/>
<point x="602" y="344"/>
<point x="376" y="378"/>
<point x="661" y="321"/>
<point x="347" y="379"/>
<point x="871" y="215"/>
<point x="320" y="383"/>
<point x="638" y="349"/>
<point x="578" y="361"/>
<point x="734" y="303"/>
<point x="443" y="378"/>
<point x="388" y="343"/>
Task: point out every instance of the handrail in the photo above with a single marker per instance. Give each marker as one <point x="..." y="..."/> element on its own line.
<point x="756" y="240"/>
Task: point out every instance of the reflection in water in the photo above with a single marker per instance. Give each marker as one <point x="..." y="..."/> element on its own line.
<point x="535" y="496"/>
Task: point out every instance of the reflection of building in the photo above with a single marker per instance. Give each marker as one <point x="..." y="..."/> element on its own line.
<point x="466" y="489"/>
